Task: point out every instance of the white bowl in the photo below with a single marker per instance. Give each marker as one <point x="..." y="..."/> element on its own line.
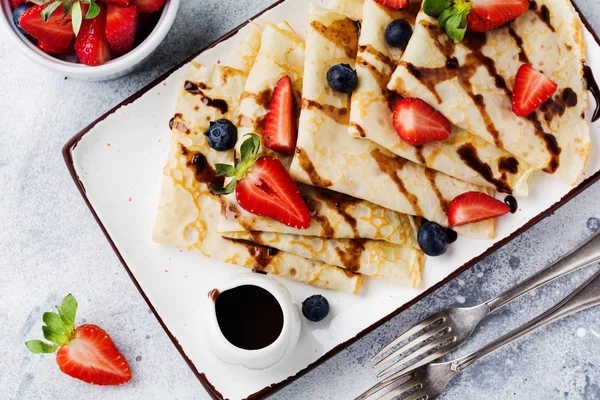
<point x="113" y="69"/>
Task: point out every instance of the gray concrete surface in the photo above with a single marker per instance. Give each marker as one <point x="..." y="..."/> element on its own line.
<point x="50" y="246"/>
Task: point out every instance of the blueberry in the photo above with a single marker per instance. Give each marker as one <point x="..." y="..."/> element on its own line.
<point x="398" y="33"/>
<point x="315" y="308"/>
<point x="19" y="11"/>
<point x="342" y="78"/>
<point x="433" y="239"/>
<point x="221" y="135"/>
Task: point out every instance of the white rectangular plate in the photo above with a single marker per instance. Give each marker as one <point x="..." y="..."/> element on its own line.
<point x="117" y="164"/>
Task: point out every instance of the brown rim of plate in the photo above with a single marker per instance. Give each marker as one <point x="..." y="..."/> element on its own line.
<point x="269" y="390"/>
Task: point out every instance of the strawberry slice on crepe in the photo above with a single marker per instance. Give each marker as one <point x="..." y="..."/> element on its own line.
<point x="86" y="352"/>
<point x="418" y="123"/>
<point x="473" y="207"/>
<point x="532" y="89"/>
<point x="395" y="4"/>
<point x="263" y="186"/>
<point x="280" y="133"/>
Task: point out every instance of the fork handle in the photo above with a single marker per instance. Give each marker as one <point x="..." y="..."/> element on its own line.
<point x="586" y="253"/>
<point x="587" y="295"/>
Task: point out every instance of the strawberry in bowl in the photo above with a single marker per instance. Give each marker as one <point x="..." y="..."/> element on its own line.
<point x="69" y="36"/>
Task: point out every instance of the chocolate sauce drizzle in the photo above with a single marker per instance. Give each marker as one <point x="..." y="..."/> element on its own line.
<point x="511" y="202"/>
<point x="203" y="171"/>
<point x="197" y="89"/>
<point x="468" y="153"/>
<point x="592" y="86"/>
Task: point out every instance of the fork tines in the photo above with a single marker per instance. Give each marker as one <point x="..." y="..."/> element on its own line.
<point x="435" y="333"/>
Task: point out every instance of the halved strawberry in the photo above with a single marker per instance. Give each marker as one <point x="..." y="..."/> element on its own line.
<point x="121" y="27"/>
<point x="532" y="89"/>
<point x="396" y="4"/>
<point x="17" y="3"/>
<point x="263" y="186"/>
<point x="418" y="123"/>
<point x="91" y="45"/>
<point x="280" y="132"/>
<point x="486" y="15"/>
<point x="148" y="6"/>
<point x="51" y="49"/>
<point x="86" y="353"/>
<point x="473" y="207"/>
<point x="120" y="3"/>
<point x="56" y="32"/>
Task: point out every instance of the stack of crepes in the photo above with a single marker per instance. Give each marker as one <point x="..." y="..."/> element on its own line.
<point x="366" y="189"/>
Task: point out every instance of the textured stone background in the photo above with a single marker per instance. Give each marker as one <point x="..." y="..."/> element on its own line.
<point x="50" y="246"/>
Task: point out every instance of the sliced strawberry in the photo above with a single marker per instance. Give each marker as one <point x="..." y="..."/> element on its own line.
<point x="532" y="89"/>
<point x="85" y="353"/>
<point x="148" y="6"/>
<point x="418" y="123"/>
<point x="396" y="4"/>
<point x="17" y="3"/>
<point x="473" y="207"/>
<point x="120" y="3"/>
<point x="486" y="15"/>
<point x="91" y="45"/>
<point x="121" y="27"/>
<point x="268" y="190"/>
<point x="92" y="357"/>
<point x="280" y="132"/>
<point x="56" y="32"/>
<point x="51" y="49"/>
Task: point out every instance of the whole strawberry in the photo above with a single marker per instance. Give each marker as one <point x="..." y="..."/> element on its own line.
<point x="86" y="352"/>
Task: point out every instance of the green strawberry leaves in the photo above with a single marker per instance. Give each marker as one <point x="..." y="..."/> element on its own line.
<point x="452" y="16"/>
<point x="39" y="347"/>
<point x="250" y="152"/>
<point x="58" y="329"/>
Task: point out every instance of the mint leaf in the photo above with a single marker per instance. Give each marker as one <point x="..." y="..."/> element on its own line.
<point x="226" y="190"/>
<point x="55" y="337"/>
<point x="49" y="10"/>
<point x="77" y="17"/>
<point x="225" y="170"/>
<point x="68" y="308"/>
<point x="93" y="11"/>
<point x="53" y="321"/>
<point x="39" y="347"/>
<point x="434" y="8"/>
<point x="456" y="27"/>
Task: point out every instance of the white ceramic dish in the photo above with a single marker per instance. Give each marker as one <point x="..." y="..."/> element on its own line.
<point x="117" y="164"/>
<point x="113" y="69"/>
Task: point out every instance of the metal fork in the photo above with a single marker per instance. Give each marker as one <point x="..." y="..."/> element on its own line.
<point x="448" y="329"/>
<point x="427" y="382"/>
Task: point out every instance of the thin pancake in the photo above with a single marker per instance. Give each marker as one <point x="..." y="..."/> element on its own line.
<point x="472" y="82"/>
<point x="327" y="156"/>
<point x="462" y="155"/>
<point x="333" y="215"/>
<point x="399" y="264"/>
<point x="351" y="8"/>
<point x="188" y="212"/>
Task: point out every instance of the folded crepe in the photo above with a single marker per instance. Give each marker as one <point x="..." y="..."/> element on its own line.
<point x="327" y="156"/>
<point x="249" y="45"/>
<point x="462" y="155"/>
<point x="350" y="8"/>
<point x="334" y="215"/>
<point x="188" y="212"/>
<point x="399" y="264"/>
<point x="471" y="84"/>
